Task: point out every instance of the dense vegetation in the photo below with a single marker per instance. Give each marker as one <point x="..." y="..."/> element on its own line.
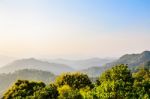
<point x="26" y="74"/>
<point x="115" y="83"/>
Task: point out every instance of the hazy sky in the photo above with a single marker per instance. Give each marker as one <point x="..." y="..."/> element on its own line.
<point x="74" y="28"/>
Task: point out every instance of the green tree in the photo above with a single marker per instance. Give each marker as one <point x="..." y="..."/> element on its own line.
<point x="142" y="83"/>
<point x="115" y="83"/>
<point x="74" y="80"/>
<point x="87" y="93"/>
<point x="48" y="92"/>
<point x="66" y="92"/>
<point x="22" y="89"/>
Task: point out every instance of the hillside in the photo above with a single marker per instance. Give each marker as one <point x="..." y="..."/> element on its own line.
<point x="26" y="74"/>
<point x="32" y="63"/>
<point x="133" y="61"/>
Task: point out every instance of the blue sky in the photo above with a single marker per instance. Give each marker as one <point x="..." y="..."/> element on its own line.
<point x="74" y="28"/>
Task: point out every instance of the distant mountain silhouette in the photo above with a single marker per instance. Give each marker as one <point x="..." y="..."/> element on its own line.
<point x="33" y="63"/>
<point x="93" y="66"/>
<point x="133" y="61"/>
<point x="84" y="64"/>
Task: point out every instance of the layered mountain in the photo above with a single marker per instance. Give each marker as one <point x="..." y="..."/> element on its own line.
<point x="32" y="63"/>
<point x="84" y="64"/>
<point x="132" y="60"/>
<point x="6" y="80"/>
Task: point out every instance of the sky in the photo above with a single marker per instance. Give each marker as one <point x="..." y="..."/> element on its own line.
<point x="74" y="28"/>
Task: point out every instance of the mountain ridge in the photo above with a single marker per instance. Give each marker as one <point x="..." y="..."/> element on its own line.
<point x="84" y="63"/>
<point x="32" y="63"/>
<point x="132" y="60"/>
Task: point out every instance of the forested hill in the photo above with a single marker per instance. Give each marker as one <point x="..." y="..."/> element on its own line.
<point x="27" y="74"/>
<point x="133" y="59"/>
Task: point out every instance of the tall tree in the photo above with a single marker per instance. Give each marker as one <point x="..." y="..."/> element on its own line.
<point x="115" y="83"/>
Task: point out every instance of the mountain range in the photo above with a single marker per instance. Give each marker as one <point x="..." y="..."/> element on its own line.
<point x="46" y="71"/>
<point x="56" y="66"/>
<point x="132" y="60"/>
<point x="93" y="66"/>
<point x="84" y="63"/>
<point x="33" y="63"/>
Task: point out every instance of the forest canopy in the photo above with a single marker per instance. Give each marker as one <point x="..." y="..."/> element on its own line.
<point x="117" y="82"/>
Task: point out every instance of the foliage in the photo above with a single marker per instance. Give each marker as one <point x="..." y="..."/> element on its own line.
<point x="66" y="92"/>
<point x="115" y="83"/>
<point x="74" y="80"/>
<point x="87" y="93"/>
<point x="64" y="89"/>
<point x="48" y="92"/>
<point x="23" y="89"/>
<point x="26" y="74"/>
<point x="142" y="84"/>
